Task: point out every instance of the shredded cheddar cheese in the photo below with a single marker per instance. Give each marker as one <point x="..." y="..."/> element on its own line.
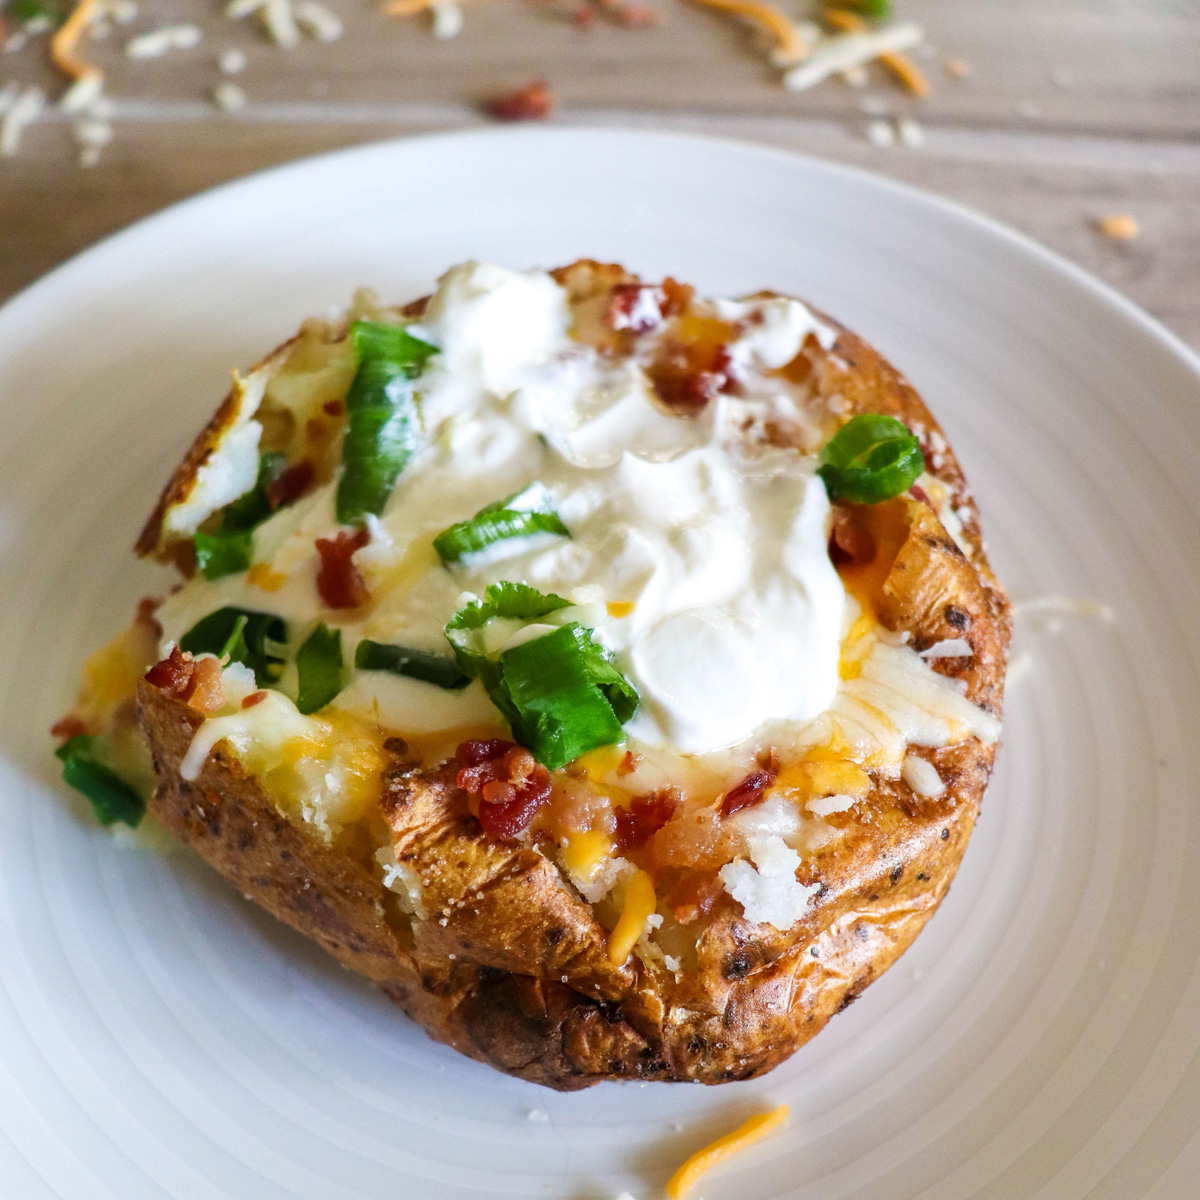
<point x="639" y="903"/>
<point x="724" y="1147"/>
<point x="619" y="608"/>
<point x="584" y="852"/>
<point x="1120" y="227"/>
<point x="900" y="65"/>
<point x="790" y="46"/>
<point x="65" y="40"/>
<point x="261" y="576"/>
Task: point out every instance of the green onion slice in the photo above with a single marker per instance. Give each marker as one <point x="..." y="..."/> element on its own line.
<point x="230" y="548"/>
<point x="319" y="667"/>
<point x="870" y="459"/>
<point x="255" y="639"/>
<point x="112" y="798"/>
<point x="383" y="426"/>
<point x="561" y="692"/>
<point x="415" y="664"/>
<point x="221" y="554"/>
<point x="523" y="514"/>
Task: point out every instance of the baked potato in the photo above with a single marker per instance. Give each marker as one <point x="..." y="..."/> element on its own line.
<point x="568" y="847"/>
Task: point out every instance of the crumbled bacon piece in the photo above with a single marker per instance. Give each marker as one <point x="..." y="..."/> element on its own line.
<point x="693" y="897"/>
<point x="637" y="307"/>
<point x="747" y="793"/>
<point x="534" y="102"/>
<point x="689" y="376"/>
<point x="644" y="817"/>
<point x="173" y="674"/>
<point x="849" y="542"/>
<point x="68" y="727"/>
<point x="290" y="484"/>
<point x="636" y="17"/>
<point x="194" y="680"/>
<point x="206" y="693"/>
<point x="254" y="698"/>
<point x="334" y="408"/>
<point x="676" y="296"/>
<point x="584" y="16"/>
<point x="510" y="783"/>
<point x="147" y="607"/>
<point x="339" y="581"/>
<point x="628" y="763"/>
<point x="919" y="493"/>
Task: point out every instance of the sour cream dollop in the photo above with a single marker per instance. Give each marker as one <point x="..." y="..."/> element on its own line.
<point x="703" y="557"/>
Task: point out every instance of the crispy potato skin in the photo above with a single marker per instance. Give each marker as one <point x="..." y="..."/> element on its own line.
<point x="509" y="966"/>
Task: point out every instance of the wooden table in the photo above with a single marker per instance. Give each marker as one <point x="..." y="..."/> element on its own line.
<point x="1073" y="109"/>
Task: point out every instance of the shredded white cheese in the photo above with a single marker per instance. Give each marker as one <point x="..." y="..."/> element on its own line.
<point x="950" y="648"/>
<point x="847" y="51"/>
<point x="768" y="890"/>
<point x="922" y="776"/>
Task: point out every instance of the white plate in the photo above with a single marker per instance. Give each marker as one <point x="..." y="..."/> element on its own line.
<point x="160" y="1037"/>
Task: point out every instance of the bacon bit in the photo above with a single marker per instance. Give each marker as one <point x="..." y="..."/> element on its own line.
<point x="900" y="65"/>
<point x="534" y="102"/>
<point x="637" y="307"/>
<point x="254" y="698"/>
<point x="206" y="693"/>
<point x="634" y="17"/>
<point x="68" y="727"/>
<point x="747" y="793"/>
<point x="644" y="817"/>
<point x="290" y="484"/>
<point x="334" y="408"/>
<point x="584" y="16"/>
<point x="1120" y="227"/>
<point x="690" y="376"/>
<point x="173" y="674"/>
<point x="628" y="764"/>
<point x="146" y="609"/>
<point x="919" y="493"/>
<point x="693" y="897"/>
<point x="790" y="46"/>
<point x="510" y="783"/>
<point x="678" y="296"/>
<point x="849" y="542"/>
<point x="339" y="581"/>
<point x="65" y="40"/>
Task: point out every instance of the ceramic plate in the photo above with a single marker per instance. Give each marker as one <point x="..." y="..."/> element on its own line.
<point x="161" y="1037"/>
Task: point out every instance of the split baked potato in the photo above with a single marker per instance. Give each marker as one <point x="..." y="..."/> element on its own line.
<point x="631" y="911"/>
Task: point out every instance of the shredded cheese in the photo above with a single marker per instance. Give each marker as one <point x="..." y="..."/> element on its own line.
<point x="724" y="1147"/>
<point x="636" y="909"/>
<point x="790" y="46"/>
<point x="899" y="64"/>
<point x="63" y="43"/>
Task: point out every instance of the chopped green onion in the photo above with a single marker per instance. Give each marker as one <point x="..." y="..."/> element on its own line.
<point x="319" y="667"/>
<point x="31" y="10"/>
<point x="383" y="427"/>
<point x="524" y="513"/>
<point x="255" y="639"/>
<point x="112" y="798"/>
<point x="514" y="602"/>
<point x="254" y="507"/>
<point x="416" y="664"/>
<point x="870" y="459"/>
<point x="560" y="692"/>
<point x="220" y="554"/>
<point x="230" y="548"/>
<point x="873" y="8"/>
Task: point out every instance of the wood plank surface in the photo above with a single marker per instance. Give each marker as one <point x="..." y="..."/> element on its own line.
<point x="1073" y="109"/>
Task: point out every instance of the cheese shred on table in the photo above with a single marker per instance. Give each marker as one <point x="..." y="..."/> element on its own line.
<point x="724" y="1147"/>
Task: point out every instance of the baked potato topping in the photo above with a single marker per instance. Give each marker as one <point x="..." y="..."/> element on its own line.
<point x="612" y="674"/>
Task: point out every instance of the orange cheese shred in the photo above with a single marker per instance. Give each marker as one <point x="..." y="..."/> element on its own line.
<point x="638" y="905"/>
<point x="407" y="8"/>
<point x="732" y="1143"/>
<point x="63" y="43"/>
<point x="790" y="46"/>
<point x="900" y="65"/>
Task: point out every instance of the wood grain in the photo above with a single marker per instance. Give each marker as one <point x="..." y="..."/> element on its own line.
<point x="1073" y="109"/>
